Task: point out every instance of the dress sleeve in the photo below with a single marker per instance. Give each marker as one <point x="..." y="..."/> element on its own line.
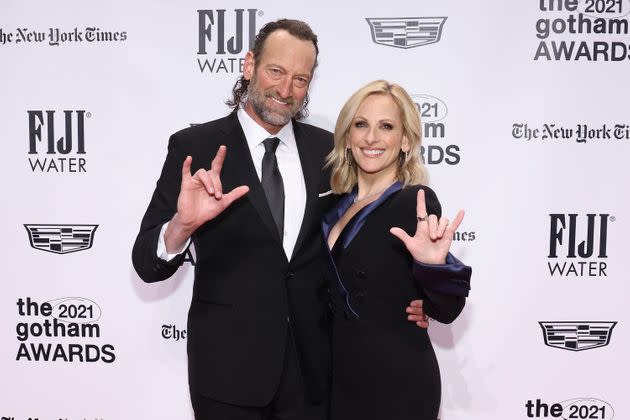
<point x="445" y="287"/>
<point x="452" y="278"/>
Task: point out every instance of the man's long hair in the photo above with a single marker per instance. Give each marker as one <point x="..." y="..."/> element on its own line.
<point x="298" y="29"/>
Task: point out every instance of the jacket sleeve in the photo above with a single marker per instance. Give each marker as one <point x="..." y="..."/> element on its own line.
<point x="445" y="287"/>
<point x="161" y="209"/>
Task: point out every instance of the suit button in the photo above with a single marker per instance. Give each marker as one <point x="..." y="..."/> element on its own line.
<point x="290" y="275"/>
<point x="359" y="297"/>
<point x="361" y="274"/>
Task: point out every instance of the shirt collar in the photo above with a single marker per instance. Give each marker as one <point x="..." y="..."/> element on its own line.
<point x="255" y="134"/>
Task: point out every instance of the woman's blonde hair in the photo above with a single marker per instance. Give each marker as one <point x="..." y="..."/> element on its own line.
<point x="411" y="170"/>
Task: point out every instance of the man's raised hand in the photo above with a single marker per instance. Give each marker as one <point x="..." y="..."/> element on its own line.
<point x="200" y="199"/>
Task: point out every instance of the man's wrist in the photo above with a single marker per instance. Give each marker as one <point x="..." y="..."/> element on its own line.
<point x="176" y="235"/>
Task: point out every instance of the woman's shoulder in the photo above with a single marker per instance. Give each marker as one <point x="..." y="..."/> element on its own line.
<point x="408" y="196"/>
<point x="410" y="193"/>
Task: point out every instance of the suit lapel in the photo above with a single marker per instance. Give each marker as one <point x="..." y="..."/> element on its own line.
<point x="311" y="169"/>
<point x="241" y="171"/>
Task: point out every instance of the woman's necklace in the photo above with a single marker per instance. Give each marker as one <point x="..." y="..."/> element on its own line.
<point x="357" y="200"/>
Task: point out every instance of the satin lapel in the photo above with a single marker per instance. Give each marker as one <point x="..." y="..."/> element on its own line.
<point x="360" y="218"/>
<point x="241" y="172"/>
<point x="354" y="225"/>
<point x="331" y="218"/>
<point x="312" y="170"/>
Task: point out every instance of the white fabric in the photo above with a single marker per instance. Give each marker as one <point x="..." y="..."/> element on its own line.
<point x="161" y="248"/>
<point x="290" y="169"/>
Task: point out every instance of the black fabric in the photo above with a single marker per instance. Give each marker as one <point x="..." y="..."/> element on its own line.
<point x="384" y="366"/>
<point x="245" y="287"/>
<point x="289" y="401"/>
<point x="272" y="182"/>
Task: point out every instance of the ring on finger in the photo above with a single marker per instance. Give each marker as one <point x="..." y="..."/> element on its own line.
<point x="422" y="218"/>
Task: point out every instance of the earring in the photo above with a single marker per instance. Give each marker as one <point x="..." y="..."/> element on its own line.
<point x="348" y="156"/>
<point x="404" y="157"/>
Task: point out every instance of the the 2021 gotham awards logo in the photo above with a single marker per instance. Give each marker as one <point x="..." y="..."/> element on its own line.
<point x="55" y="36"/>
<point x="574" y="408"/>
<point x="406" y="32"/>
<point x="436" y="149"/>
<point x="61" y="239"/>
<point x="578" y="244"/>
<point x="49" y="151"/>
<point x="578" y="133"/>
<point x="171" y="332"/>
<point x="583" y="30"/>
<point x="45" y="327"/>
<point x="577" y="335"/>
<point x="224" y="38"/>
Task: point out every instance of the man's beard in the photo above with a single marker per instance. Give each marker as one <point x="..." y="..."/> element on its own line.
<point x="257" y="98"/>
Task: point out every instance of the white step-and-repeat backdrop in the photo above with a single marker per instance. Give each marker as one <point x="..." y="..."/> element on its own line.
<point x="526" y="126"/>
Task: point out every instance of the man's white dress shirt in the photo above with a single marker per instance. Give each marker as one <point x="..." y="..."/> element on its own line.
<point x="290" y="168"/>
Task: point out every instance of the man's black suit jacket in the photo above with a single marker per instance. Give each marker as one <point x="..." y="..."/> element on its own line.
<point x="246" y="292"/>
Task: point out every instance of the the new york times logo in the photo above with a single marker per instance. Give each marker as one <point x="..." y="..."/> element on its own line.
<point x="226" y="36"/>
<point x="579" y="133"/>
<point x="55" y="36"/>
<point x="58" y="418"/>
<point x="13" y="418"/>
<point x="464" y="236"/>
<point x="587" y="30"/>
<point x="171" y="332"/>
<point x="433" y="112"/>
<point x="50" y="152"/>
<point x="577" y="244"/>
<point x="575" y="408"/>
<point x="54" y="321"/>
<point x="17" y="418"/>
<point x="81" y="418"/>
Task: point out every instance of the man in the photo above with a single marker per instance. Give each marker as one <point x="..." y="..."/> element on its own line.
<point x="258" y="345"/>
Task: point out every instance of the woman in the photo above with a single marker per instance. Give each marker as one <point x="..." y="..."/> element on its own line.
<point x="389" y="245"/>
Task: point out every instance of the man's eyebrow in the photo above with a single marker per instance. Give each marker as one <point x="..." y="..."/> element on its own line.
<point x="307" y="75"/>
<point x="275" y="65"/>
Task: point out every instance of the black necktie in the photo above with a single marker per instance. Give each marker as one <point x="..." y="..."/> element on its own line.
<point x="272" y="183"/>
